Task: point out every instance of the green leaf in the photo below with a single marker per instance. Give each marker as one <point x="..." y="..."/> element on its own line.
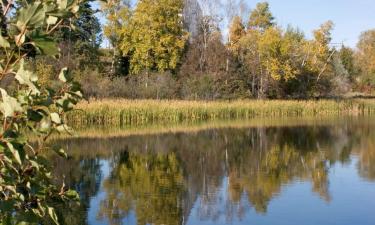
<point x="61" y="152"/>
<point x="34" y="115"/>
<point x="31" y="16"/>
<point x="9" y="105"/>
<point x="35" y="165"/>
<point x="46" y="46"/>
<point x="27" y="78"/>
<point x="15" y="153"/>
<point x="3" y="42"/>
<point x="64" y="75"/>
<point x="73" y="195"/>
<point x="63" y="4"/>
<point x="65" y="103"/>
<point x="52" y="214"/>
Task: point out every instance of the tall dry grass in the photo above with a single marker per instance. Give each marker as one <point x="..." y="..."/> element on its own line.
<point x="111" y="112"/>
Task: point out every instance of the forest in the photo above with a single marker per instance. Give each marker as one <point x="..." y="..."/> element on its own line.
<point x="182" y="49"/>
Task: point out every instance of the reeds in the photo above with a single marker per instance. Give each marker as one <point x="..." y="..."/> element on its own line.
<point x="140" y="112"/>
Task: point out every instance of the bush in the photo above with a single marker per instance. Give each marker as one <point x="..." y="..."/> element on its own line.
<point x="151" y="86"/>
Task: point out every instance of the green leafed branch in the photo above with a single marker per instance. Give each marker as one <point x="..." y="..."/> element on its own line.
<point x="27" y="193"/>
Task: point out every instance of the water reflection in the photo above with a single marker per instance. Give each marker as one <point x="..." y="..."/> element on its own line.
<point x="151" y="185"/>
<point x="214" y="175"/>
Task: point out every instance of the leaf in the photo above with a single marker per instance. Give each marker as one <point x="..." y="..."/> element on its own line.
<point x="65" y="102"/>
<point x="9" y="105"/>
<point x="45" y="125"/>
<point x="75" y="9"/>
<point x="73" y="195"/>
<point x="55" y="118"/>
<point x="27" y="78"/>
<point x="64" y="129"/>
<point x="35" y="165"/>
<point x="64" y="75"/>
<point x="63" y="4"/>
<point x="15" y="153"/>
<point x="52" y="214"/>
<point x="3" y="42"/>
<point x="52" y="20"/>
<point x="46" y="46"/>
<point x="34" y="115"/>
<point x="31" y="16"/>
<point x="20" y="39"/>
<point x="61" y="152"/>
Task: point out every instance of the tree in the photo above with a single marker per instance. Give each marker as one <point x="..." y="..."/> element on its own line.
<point x="321" y="61"/>
<point x="253" y="52"/>
<point x="365" y="58"/>
<point x="157" y="37"/>
<point x="236" y="32"/>
<point x="346" y="55"/>
<point x="27" y="193"/>
<point x="192" y="14"/>
<point x="80" y="38"/>
<point x="249" y="58"/>
<point x="118" y="29"/>
<point x="261" y="17"/>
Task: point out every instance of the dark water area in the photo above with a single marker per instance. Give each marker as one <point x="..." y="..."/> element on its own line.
<point x="320" y="173"/>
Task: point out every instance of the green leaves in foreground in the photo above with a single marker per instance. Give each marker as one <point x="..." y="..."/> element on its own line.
<point x="9" y="106"/>
<point x="27" y="191"/>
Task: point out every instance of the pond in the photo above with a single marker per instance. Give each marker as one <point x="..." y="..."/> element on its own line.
<point x="312" y="171"/>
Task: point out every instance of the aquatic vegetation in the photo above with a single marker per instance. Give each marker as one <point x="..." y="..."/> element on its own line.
<point x="139" y="112"/>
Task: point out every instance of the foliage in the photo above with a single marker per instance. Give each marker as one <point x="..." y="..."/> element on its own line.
<point x="151" y="36"/>
<point x="151" y="185"/>
<point x="236" y="32"/>
<point x="261" y="17"/>
<point x="82" y="37"/>
<point x="365" y="59"/>
<point x="347" y="58"/>
<point x="117" y="29"/>
<point x="27" y="194"/>
<point x="259" y="59"/>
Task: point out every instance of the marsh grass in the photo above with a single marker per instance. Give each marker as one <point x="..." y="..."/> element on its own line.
<point x="122" y="113"/>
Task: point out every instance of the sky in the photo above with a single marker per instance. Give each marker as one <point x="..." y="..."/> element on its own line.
<point x="351" y="17"/>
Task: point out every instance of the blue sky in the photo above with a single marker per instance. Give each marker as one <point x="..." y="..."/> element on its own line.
<point x="351" y="17"/>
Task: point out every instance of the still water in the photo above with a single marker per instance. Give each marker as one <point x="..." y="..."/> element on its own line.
<point x="306" y="173"/>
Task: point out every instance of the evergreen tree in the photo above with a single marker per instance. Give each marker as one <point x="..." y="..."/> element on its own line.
<point x="261" y="17"/>
<point x="80" y="44"/>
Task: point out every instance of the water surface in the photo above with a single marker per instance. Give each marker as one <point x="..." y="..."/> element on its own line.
<point x="316" y="172"/>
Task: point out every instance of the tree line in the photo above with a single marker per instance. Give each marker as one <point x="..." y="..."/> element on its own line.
<point x="181" y="49"/>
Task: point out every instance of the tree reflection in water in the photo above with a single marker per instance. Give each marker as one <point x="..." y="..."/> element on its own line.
<point x="152" y="185"/>
<point x="160" y="178"/>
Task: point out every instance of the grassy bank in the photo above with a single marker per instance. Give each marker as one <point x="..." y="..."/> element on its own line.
<point x="141" y="112"/>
